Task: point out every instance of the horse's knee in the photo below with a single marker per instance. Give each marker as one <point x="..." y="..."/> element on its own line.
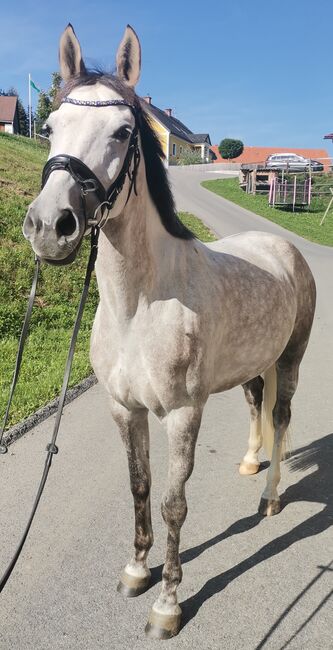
<point x="141" y="489"/>
<point x="174" y="510"/>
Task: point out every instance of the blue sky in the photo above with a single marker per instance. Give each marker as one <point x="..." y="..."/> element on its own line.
<point x="259" y="71"/>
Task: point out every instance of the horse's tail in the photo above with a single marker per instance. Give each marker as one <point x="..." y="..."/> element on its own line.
<point x="267" y="427"/>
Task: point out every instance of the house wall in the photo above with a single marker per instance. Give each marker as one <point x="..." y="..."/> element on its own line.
<point x="168" y="141"/>
<point x="173" y="140"/>
<point x="204" y="150"/>
<point x="162" y="134"/>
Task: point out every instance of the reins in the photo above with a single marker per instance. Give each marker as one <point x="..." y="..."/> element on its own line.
<point x="89" y="183"/>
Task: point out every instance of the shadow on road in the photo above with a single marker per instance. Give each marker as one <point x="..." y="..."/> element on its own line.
<point x="316" y="487"/>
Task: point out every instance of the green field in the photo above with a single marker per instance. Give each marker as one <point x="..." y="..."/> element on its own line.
<point x="21" y="162"/>
<point x="304" y="223"/>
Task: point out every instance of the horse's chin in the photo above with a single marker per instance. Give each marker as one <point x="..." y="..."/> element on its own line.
<point x="66" y="260"/>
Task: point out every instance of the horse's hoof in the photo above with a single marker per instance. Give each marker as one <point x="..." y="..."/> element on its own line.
<point x="269" y="507"/>
<point x="245" y="469"/>
<point x="162" y="626"/>
<point x="131" y="586"/>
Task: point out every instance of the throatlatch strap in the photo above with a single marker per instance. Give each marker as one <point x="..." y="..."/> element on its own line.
<point x="23" y="336"/>
<point x="51" y="447"/>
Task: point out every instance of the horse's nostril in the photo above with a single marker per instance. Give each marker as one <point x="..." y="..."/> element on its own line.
<point x="66" y="224"/>
<point x="29" y="226"/>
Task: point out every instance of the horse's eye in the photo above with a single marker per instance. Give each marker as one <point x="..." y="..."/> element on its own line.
<point x="46" y="130"/>
<point x="123" y="133"/>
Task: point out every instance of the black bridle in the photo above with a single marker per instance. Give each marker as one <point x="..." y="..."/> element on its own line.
<point x="106" y="198"/>
<point x="87" y="180"/>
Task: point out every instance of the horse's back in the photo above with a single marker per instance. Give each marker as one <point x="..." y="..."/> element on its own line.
<point x="269" y="252"/>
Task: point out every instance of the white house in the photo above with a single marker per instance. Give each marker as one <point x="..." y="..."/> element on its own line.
<point x="9" y="122"/>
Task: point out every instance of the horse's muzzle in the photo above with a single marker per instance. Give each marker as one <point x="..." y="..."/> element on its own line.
<point x="56" y="240"/>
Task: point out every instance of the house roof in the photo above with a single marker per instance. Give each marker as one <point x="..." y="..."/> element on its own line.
<point x="200" y="137"/>
<point x="260" y="154"/>
<point x="7" y="108"/>
<point x="176" y="127"/>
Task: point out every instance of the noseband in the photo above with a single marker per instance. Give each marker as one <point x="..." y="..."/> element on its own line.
<point x="87" y="179"/>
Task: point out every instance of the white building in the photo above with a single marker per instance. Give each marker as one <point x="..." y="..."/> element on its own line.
<point x="9" y="122"/>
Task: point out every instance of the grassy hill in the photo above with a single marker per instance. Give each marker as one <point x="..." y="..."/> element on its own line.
<point x="21" y="163"/>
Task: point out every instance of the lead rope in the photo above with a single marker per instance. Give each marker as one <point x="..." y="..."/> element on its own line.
<point x="51" y="447"/>
<point x="23" y="336"/>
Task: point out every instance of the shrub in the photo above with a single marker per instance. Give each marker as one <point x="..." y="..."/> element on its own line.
<point x="189" y="157"/>
<point x="230" y="148"/>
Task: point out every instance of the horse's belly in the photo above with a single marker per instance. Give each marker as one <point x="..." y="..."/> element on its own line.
<point x="245" y="352"/>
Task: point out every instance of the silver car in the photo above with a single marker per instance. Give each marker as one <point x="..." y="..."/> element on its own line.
<point x="292" y="161"/>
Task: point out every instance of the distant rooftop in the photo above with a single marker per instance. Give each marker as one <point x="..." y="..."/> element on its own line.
<point x="7" y="108"/>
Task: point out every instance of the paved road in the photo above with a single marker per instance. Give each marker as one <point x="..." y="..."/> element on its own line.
<point x="249" y="583"/>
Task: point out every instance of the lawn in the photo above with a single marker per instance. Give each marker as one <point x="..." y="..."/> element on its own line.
<point x="58" y="293"/>
<point x="304" y="223"/>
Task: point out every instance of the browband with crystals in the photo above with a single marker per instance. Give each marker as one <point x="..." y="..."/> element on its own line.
<point x="97" y="103"/>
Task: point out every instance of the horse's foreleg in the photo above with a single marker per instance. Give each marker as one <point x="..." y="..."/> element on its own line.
<point x="253" y="391"/>
<point x="183" y="426"/>
<point x="133" y="426"/>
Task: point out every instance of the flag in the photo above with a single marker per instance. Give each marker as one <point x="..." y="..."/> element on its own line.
<point x="33" y="85"/>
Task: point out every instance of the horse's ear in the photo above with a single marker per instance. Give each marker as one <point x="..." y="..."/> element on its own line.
<point x="129" y="58"/>
<point x="71" y="62"/>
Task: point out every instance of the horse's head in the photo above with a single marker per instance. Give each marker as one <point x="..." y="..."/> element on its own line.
<point x="94" y="125"/>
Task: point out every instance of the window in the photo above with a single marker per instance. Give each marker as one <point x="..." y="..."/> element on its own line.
<point x="174" y="149"/>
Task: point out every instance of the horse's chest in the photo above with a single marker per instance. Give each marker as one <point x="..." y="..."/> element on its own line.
<point x="146" y="365"/>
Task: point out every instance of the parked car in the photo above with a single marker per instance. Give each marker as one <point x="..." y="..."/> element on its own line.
<point x="292" y="161"/>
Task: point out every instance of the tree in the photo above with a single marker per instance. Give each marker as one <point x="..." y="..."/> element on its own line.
<point x="54" y="90"/>
<point x="23" y="118"/>
<point x="43" y="110"/>
<point x="230" y="148"/>
<point x="47" y="101"/>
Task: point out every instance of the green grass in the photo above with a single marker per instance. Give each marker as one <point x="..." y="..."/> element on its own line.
<point x="58" y="293"/>
<point x="198" y="228"/>
<point x="304" y="223"/>
<point x="21" y="162"/>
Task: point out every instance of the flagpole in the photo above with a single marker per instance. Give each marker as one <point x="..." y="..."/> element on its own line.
<point x="29" y="105"/>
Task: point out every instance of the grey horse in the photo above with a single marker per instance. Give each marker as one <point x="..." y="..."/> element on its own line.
<point x="177" y="319"/>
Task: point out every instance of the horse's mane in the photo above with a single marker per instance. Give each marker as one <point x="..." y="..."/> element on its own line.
<point x="153" y="154"/>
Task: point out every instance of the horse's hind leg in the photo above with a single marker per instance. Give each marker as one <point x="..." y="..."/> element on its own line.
<point x="253" y="391"/>
<point x="287" y="378"/>
<point x="183" y="426"/>
<point x="133" y="426"/>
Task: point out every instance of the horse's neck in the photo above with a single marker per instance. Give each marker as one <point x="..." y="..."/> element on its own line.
<point x="130" y="254"/>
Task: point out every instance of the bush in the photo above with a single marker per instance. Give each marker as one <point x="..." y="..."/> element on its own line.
<point x="230" y="148"/>
<point x="189" y="157"/>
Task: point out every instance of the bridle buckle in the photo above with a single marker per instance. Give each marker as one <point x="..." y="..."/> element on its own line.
<point x="87" y="186"/>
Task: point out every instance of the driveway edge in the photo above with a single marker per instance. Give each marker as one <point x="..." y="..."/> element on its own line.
<point x="18" y="430"/>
